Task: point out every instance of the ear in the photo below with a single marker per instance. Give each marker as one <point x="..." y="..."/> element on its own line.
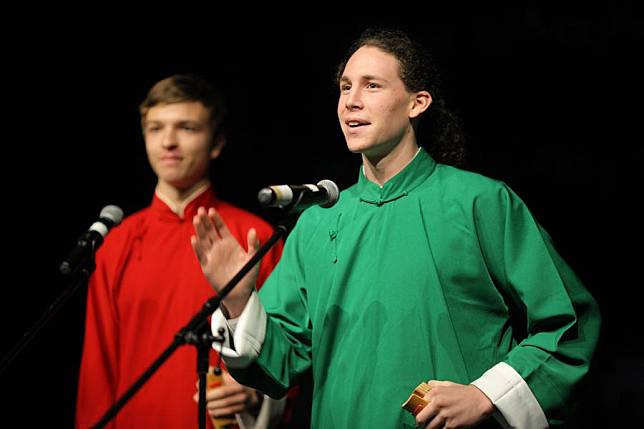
<point x="217" y="145"/>
<point x="420" y="102"/>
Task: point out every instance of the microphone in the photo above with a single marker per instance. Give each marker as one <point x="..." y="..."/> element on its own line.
<point x="296" y="198"/>
<point x="90" y="241"/>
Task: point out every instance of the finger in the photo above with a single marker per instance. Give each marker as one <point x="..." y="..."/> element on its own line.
<point x="218" y="223"/>
<point x="253" y="241"/>
<point x="203" y="227"/>
<point x="211" y="225"/>
<point x="224" y="391"/>
<point x="435" y="383"/>
<point x="196" y="246"/>
<point x="229" y="401"/>
<point x="195" y="397"/>
<point x="427" y="414"/>
<point x="227" y="411"/>
<point x="437" y="422"/>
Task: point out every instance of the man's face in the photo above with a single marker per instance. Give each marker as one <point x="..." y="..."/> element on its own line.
<point x="374" y="106"/>
<point x="178" y="143"/>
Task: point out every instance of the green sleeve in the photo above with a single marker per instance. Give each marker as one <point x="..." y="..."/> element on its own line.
<point x="286" y="351"/>
<point x="560" y="316"/>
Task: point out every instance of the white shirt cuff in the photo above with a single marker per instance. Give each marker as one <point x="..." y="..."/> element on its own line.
<point x="517" y="405"/>
<point x="248" y="333"/>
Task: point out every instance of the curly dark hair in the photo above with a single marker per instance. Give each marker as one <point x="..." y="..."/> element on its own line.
<point x="418" y="72"/>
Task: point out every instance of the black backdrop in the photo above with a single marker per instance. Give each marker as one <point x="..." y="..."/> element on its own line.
<point x="550" y="98"/>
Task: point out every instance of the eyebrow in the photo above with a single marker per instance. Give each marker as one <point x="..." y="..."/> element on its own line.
<point x="178" y="121"/>
<point x="365" y="77"/>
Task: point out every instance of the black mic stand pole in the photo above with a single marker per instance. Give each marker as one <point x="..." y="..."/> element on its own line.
<point x="196" y="332"/>
<point x="85" y="272"/>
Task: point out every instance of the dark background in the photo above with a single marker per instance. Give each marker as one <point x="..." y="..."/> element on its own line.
<point x="550" y="98"/>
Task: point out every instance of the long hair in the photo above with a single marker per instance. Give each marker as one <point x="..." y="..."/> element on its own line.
<point x="418" y="72"/>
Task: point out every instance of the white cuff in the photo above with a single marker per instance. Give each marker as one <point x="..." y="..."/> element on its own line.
<point x="248" y="333"/>
<point x="512" y="397"/>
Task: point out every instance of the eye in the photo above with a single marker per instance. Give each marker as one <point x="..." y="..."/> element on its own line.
<point x="190" y="127"/>
<point x="345" y="87"/>
<point x="152" y="128"/>
<point x="373" y="85"/>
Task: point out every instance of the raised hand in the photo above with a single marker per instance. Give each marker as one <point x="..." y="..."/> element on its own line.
<point x="221" y="257"/>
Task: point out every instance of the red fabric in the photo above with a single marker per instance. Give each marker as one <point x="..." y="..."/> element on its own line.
<point x="147" y="285"/>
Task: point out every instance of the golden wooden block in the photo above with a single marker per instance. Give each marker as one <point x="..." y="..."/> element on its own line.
<point x="415" y="402"/>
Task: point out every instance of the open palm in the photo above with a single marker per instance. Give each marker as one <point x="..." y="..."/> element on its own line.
<point x="221" y="256"/>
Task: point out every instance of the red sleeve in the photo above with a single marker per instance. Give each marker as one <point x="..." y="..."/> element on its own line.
<point x="97" y="383"/>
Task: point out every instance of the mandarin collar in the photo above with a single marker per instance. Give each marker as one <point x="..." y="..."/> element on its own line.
<point x="414" y="174"/>
<point x="203" y="196"/>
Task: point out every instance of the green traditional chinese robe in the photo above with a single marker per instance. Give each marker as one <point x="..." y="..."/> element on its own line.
<point x="439" y="274"/>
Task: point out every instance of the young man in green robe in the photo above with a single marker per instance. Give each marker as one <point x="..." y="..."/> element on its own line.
<point x="422" y="272"/>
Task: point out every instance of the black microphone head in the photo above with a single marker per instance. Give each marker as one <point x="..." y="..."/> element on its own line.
<point x="332" y="191"/>
<point x="90" y="241"/>
<point x="113" y="214"/>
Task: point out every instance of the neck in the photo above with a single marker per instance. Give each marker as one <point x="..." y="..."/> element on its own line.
<point x="382" y="168"/>
<point x="179" y="196"/>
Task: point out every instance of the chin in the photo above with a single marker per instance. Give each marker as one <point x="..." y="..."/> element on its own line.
<point x="358" y="145"/>
<point x="176" y="181"/>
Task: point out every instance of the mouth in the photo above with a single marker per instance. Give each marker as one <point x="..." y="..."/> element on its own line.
<point x="354" y="124"/>
<point x="170" y="159"/>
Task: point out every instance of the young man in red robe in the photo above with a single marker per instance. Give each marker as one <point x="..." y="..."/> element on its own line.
<point x="148" y="282"/>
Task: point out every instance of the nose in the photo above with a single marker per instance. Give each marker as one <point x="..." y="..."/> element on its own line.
<point x="353" y="99"/>
<point x="169" y="140"/>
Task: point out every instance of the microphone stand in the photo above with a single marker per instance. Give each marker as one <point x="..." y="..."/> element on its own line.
<point x="196" y="332"/>
<point x="85" y="272"/>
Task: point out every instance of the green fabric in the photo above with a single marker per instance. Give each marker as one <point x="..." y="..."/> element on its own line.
<point x="419" y="280"/>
